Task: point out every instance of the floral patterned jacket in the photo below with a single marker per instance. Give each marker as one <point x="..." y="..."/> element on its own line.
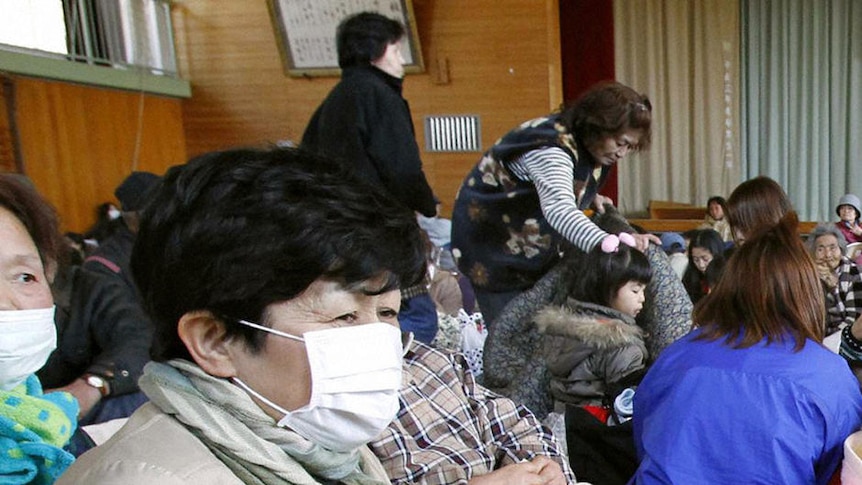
<point x="503" y="241"/>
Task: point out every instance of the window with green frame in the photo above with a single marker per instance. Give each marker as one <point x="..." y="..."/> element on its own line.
<point x="126" y="44"/>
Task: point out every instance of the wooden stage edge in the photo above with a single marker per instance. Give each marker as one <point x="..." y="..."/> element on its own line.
<point x="682" y="225"/>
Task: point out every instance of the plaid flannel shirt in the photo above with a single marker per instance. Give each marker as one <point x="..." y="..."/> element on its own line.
<point x="450" y="429"/>
<point x="844" y="302"/>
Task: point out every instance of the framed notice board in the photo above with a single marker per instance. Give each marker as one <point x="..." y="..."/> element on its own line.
<point x="305" y="30"/>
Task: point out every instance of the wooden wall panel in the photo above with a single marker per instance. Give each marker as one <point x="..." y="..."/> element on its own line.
<point x="8" y="149"/>
<point x="503" y="65"/>
<point x="78" y="143"/>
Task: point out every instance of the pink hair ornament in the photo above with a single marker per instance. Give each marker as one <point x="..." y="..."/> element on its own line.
<point x="611" y="243"/>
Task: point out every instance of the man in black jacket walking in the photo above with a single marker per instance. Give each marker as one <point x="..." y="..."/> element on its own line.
<point x="365" y="121"/>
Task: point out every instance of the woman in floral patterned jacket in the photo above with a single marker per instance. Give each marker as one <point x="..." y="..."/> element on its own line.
<point x="523" y="201"/>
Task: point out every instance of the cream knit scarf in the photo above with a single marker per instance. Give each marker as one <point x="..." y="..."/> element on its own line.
<point x="245" y="438"/>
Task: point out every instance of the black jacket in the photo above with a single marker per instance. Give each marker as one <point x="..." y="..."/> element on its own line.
<point x="101" y="329"/>
<point x="113" y="256"/>
<point x="365" y="122"/>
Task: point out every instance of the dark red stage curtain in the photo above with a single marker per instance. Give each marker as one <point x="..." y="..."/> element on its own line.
<point x="587" y="46"/>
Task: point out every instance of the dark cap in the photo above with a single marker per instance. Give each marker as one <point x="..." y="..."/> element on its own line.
<point x="133" y="191"/>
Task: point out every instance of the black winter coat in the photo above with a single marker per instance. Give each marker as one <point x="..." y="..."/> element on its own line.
<point x="366" y="123"/>
<point x="101" y="329"/>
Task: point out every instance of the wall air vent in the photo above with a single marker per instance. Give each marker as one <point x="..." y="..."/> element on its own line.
<point x="453" y="133"/>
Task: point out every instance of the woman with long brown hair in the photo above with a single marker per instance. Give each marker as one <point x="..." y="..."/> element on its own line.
<point x="750" y="395"/>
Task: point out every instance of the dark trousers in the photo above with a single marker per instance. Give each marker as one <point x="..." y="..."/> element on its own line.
<point x="598" y="453"/>
<point x="491" y="303"/>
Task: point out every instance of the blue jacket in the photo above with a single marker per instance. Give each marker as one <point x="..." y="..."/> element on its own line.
<point x="708" y="413"/>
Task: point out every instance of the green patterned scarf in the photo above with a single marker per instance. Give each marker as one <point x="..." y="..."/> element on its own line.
<point x="34" y="427"/>
<point x="245" y="438"/>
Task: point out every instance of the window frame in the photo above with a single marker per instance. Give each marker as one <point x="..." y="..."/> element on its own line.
<point x="72" y="67"/>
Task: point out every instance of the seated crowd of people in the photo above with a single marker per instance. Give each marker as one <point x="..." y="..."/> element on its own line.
<point x="272" y="283"/>
<point x="275" y="316"/>
<point x="699" y="256"/>
<point x="355" y="400"/>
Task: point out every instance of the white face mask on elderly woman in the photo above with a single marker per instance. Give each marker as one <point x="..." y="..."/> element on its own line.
<point x="27" y="338"/>
<point x="355" y="379"/>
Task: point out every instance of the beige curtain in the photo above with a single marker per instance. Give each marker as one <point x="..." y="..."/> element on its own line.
<point x="685" y="56"/>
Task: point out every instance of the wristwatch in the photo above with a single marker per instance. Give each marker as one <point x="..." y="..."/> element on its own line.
<point x="98" y="382"/>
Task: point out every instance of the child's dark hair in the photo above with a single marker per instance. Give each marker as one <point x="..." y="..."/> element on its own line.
<point x="597" y="276"/>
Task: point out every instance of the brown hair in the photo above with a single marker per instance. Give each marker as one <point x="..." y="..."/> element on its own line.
<point x="607" y="109"/>
<point x="756" y="205"/>
<point x="37" y="216"/>
<point x="769" y="289"/>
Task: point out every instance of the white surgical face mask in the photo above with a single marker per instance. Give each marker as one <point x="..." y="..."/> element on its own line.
<point x="27" y="338"/>
<point x="355" y="379"/>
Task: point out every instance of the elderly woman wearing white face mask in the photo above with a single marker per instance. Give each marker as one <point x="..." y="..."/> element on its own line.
<point x="34" y="426"/>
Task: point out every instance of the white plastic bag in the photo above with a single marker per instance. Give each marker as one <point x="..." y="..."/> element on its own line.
<point x="473" y="335"/>
<point x="833" y="341"/>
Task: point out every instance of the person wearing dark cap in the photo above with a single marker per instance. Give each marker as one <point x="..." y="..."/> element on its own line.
<point x="113" y="255"/>
<point x="132" y="192"/>
<point x="104" y="335"/>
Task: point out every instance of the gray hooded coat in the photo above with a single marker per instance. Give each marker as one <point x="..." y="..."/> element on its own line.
<point x="587" y="347"/>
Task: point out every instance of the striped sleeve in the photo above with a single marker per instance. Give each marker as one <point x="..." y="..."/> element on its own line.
<point x="850" y="348"/>
<point x="552" y="172"/>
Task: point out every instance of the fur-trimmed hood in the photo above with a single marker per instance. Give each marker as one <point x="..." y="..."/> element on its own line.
<point x="595" y="325"/>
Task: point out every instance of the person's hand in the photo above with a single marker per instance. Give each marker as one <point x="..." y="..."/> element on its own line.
<point x="87" y="395"/>
<point x="600" y="201"/>
<point x="540" y="471"/>
<point x="611" y="242"/>
<point x="551" y="471"/>
<point x="856" y="229"/>
<point x="642" y="241"/>
<point x="827" y="276"/>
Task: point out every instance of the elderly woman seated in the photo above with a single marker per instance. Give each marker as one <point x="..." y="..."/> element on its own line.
<point x="839" y="277"/>
<point x="34" y="427"/>
<point x="848" y="211"/>
<point x="272" y="278"/>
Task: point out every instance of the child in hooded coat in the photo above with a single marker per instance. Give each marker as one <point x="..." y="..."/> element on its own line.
<point x="591" y="338"/>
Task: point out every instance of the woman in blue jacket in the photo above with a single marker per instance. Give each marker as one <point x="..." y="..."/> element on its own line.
<point x="750" y="396"/>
